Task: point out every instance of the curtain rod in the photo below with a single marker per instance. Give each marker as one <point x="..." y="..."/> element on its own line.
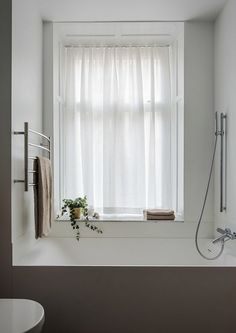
<point x="117" y="21"/>
<point x="101" y="46"/>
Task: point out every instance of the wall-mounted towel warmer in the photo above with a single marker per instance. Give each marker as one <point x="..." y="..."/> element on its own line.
<point x="46" y="148"/>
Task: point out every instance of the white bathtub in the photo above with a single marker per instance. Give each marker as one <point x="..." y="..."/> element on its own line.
<point x="120" y="252"/>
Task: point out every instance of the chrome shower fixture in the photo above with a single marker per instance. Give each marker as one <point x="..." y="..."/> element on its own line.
<point x="220" y="131"/>
<point x="226" y="234"/>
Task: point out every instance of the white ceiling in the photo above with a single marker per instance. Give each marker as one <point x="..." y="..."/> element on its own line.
<point x="130" y="10"/>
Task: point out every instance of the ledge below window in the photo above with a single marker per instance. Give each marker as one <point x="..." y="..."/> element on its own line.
<point x="120" y="218"/>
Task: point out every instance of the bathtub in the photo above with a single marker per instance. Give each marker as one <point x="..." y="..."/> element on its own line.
<point x="120" y="252"/>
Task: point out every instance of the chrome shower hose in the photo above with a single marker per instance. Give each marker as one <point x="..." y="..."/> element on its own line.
<point x="203" y="208"/>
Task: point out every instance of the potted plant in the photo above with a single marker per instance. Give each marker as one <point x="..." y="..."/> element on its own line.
<point x="76" y="208"/>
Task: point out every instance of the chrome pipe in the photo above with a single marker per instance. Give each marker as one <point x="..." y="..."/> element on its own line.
<point x="26" y="154"/>
<point x="26" y="132"/>
<point x="38" y="146"/>
<point x="49" y="147"/>
<point x="40" y="134"/>
<point x="216" y="122"/>
<point x="221" y="132"/>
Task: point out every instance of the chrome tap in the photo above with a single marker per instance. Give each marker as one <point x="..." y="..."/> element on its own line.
<point x="226" y="233"/>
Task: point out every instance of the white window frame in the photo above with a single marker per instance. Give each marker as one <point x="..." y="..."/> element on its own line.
<point x="118" y="33"/>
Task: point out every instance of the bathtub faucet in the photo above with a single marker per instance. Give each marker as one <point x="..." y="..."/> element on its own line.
<point x="226" y="235"/>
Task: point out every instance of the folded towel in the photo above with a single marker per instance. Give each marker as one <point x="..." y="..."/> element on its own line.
<point x="43" y="196"/>
<point x="159" y="217"/>
<point x="157" y="212"/>
<point x="161" y="212"/>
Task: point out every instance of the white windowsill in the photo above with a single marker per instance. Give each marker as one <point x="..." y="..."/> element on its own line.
<point x="120" y="218"/>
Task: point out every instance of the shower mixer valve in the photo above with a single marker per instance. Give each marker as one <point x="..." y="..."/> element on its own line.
<point x="226" y="233"/>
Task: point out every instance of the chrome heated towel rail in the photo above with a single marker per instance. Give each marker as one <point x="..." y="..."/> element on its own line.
<point x="46" y="148"/>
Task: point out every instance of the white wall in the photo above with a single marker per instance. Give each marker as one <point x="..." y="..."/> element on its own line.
<point x="198" y="145"/>
<point x="131" y="10"/>
<point x="198" y="116"/>
<point x="26" y="102"/>
<point x="225" y="101"/>
<point x="199" y="123"/>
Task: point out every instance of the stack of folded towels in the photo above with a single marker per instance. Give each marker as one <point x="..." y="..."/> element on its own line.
<point x="159" y="214"/>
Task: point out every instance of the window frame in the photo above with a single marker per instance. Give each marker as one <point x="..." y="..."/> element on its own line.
<point x="61" y="35"/>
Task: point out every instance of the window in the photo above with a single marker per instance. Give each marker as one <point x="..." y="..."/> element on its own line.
<point x="120" y="127"/>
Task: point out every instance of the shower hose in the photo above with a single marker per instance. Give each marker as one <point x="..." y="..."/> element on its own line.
<point x="203" y="208"/>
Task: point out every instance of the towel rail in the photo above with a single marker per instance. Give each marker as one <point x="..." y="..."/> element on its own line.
<point x="40" y="134"/>
<point x="38" y="146"/>
<point x="46" y="148"/>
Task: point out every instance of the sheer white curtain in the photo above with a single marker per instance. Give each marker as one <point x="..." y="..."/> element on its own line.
<point x="117" y="127"/>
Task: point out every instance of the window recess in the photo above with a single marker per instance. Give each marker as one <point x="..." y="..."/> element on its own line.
<point x="121" y="121"/>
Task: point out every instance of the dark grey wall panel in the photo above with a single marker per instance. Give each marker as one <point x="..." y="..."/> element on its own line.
<point x="131" y="300"/>
<point x="5" y="148"/>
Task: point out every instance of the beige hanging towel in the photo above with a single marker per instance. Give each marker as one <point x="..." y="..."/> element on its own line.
<point x="43" y="196"/>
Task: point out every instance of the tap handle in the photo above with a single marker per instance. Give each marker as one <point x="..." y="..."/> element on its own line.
<point x="221" y="231"/>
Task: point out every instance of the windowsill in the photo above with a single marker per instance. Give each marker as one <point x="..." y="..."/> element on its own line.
<point x="120" y="218"/>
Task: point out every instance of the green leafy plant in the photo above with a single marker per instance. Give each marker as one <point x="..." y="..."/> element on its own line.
<point x="80" y="202"/>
